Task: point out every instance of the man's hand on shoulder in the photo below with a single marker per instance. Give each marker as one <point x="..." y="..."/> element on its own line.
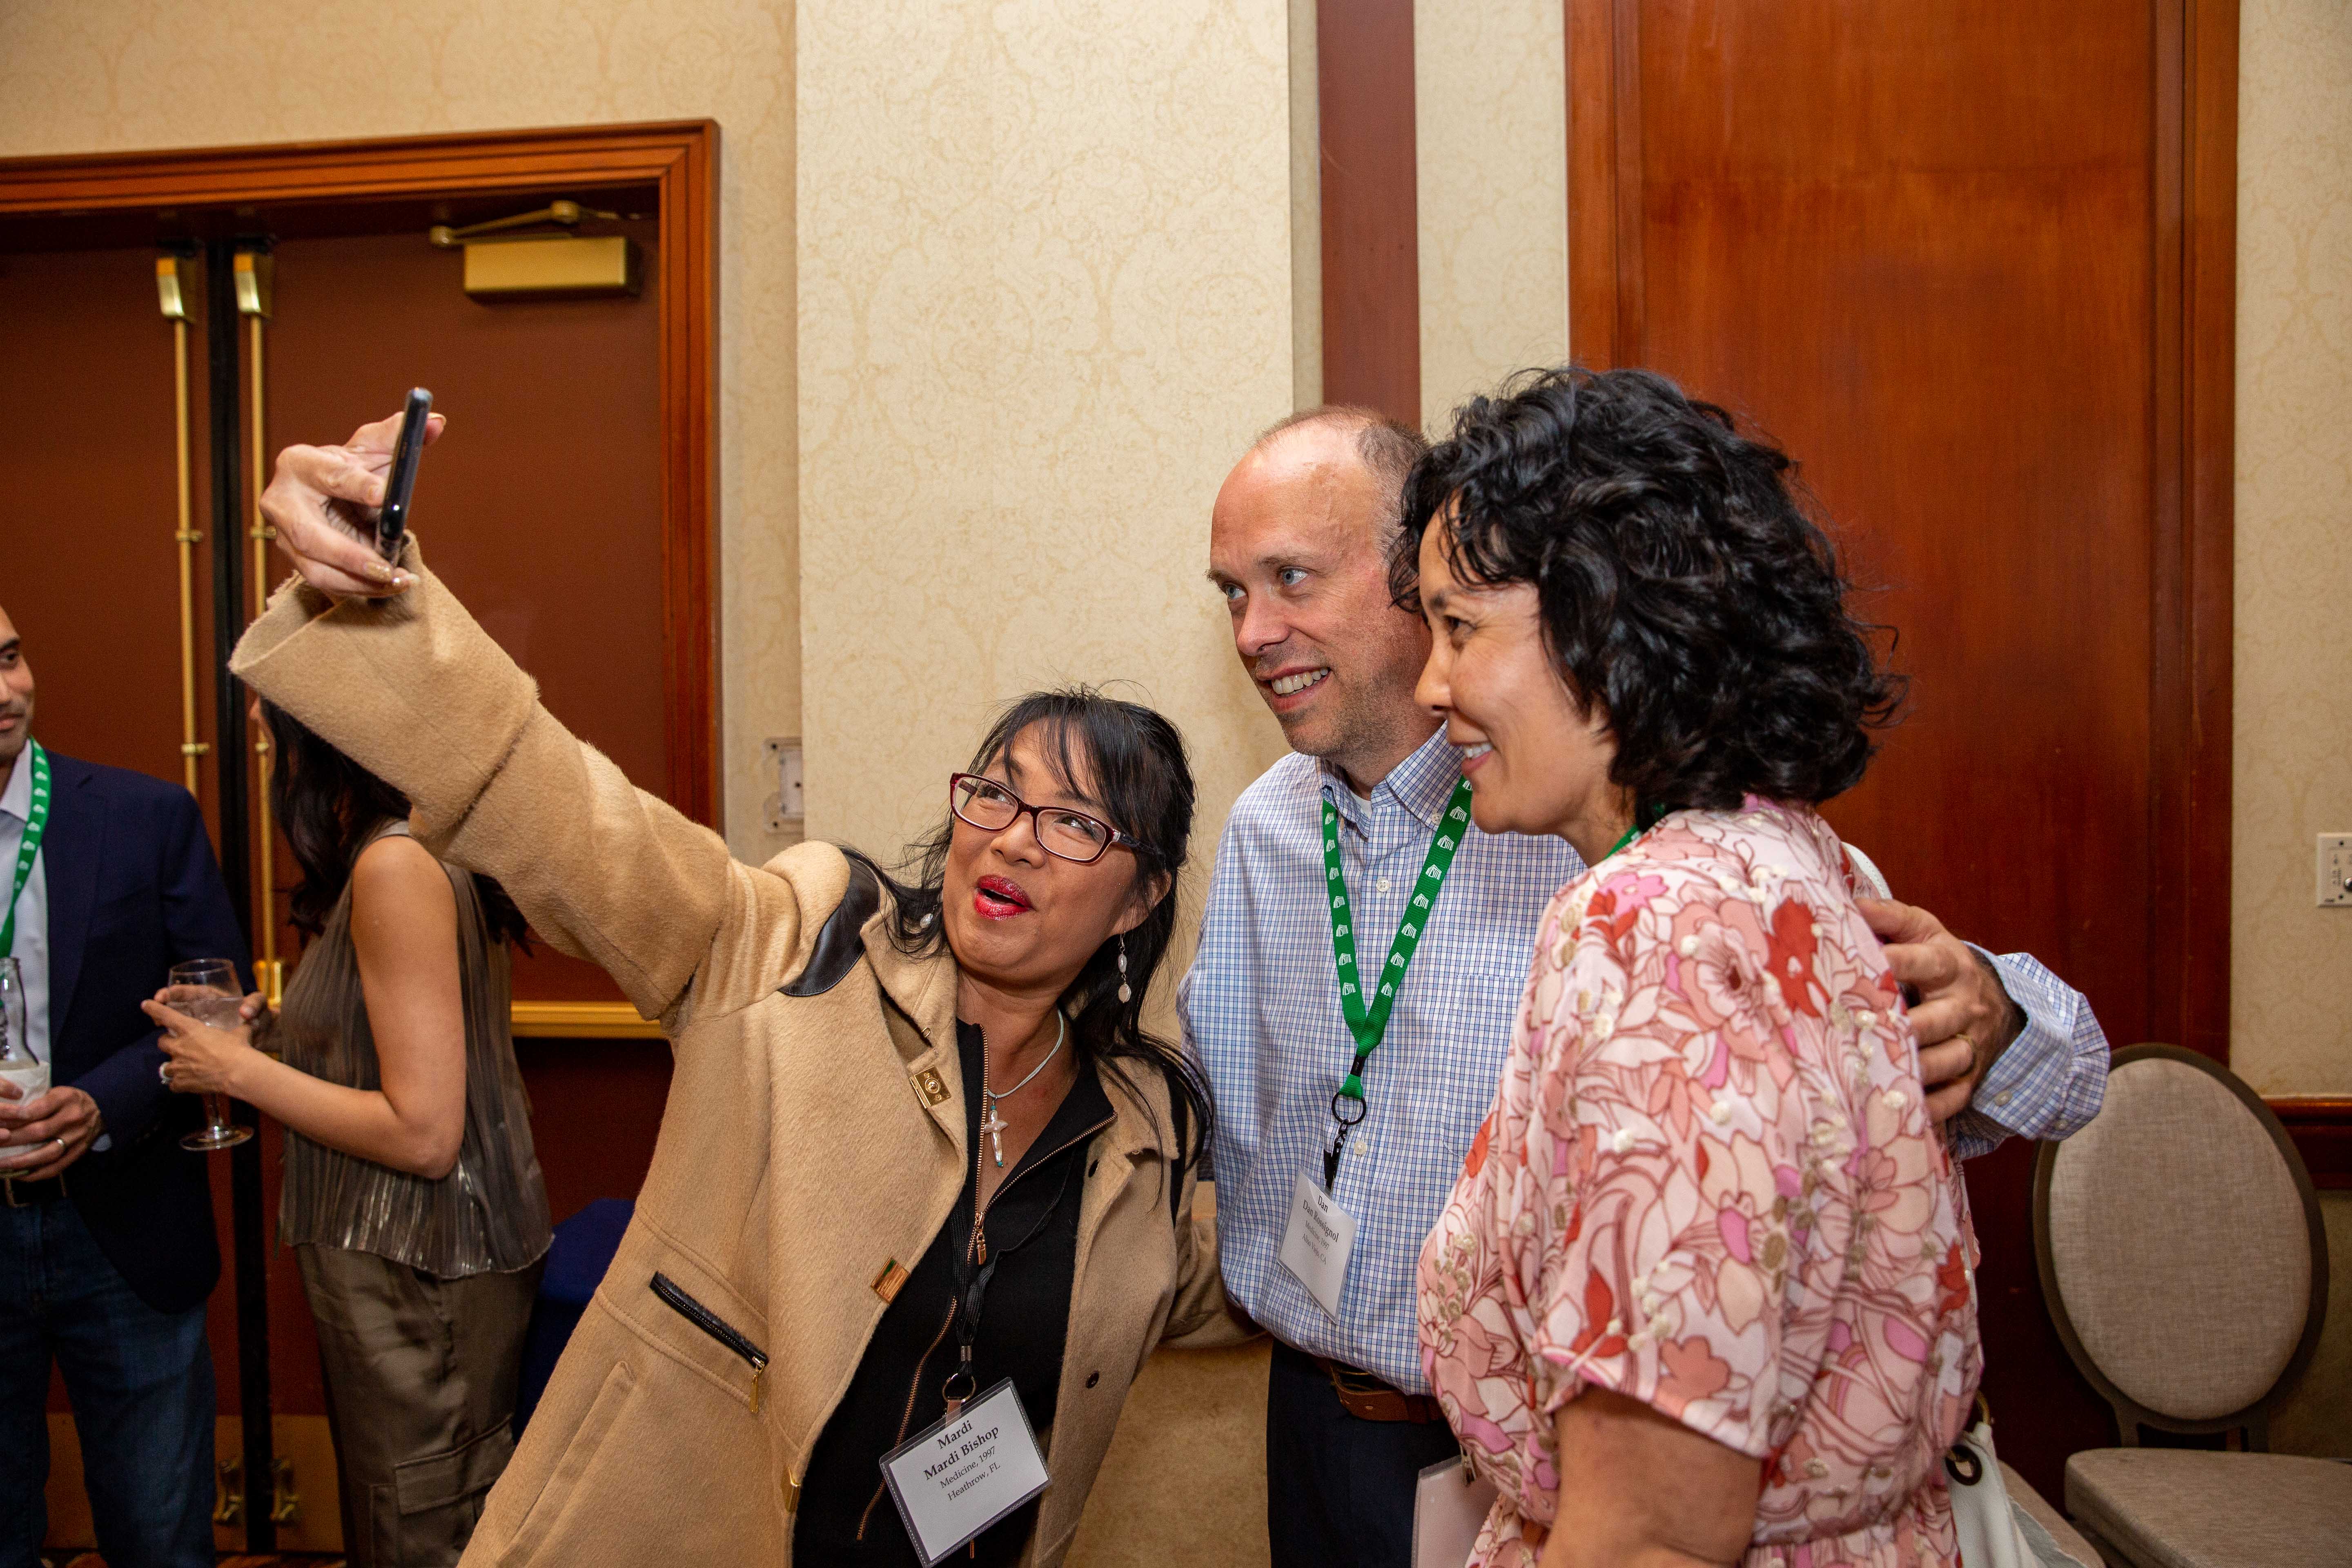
<point x="39" y="1137"/>
<point x="1964" y="1018"/>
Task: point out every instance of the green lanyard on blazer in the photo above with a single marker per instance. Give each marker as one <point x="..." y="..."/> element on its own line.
<point x="37" y="821"/>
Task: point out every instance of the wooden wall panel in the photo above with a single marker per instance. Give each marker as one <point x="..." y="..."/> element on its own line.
<point x="2322" y="1130"/>
<point x="1969" y="264"/>
<point x="88" y="562"/>
<point x="1371" y="234"/>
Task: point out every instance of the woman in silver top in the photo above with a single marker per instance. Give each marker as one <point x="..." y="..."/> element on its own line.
<point x="413" y="1196"/>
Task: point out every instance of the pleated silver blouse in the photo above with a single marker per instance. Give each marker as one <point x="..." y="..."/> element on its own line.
<point x="489" y="1214"/>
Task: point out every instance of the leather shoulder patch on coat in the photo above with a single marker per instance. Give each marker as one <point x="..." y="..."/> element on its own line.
<point x="839" y="945"/>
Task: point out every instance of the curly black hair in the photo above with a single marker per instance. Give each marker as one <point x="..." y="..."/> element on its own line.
<point x="1680" y="586"/>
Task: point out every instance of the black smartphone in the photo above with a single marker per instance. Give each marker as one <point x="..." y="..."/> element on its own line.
<point x="392" y="519"/>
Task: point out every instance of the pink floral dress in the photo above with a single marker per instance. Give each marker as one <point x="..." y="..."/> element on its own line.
<point x="1708" y="1182"/>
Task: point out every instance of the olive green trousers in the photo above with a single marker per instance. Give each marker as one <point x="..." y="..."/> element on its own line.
<point x="420" y="1376"/>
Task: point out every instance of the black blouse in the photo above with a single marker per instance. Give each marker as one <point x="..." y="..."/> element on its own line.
<point x="845" y="1515"/>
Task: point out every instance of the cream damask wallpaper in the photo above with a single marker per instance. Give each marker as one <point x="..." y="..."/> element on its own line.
<point x="1490" y="112"/>
<point x="77" y="77"/>
<point x="2291" y="1032"/>
<point x="1045" y="302"/>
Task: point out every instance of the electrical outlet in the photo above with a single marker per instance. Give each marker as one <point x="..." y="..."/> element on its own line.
<point x="786" y="809"/>
<point x="2334" y="870"/>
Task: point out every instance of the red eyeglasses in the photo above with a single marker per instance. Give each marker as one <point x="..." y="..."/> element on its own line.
<point x="1066" y="834"/>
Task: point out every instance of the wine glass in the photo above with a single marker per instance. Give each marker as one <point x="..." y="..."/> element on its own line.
<point x="19" y="1065"/>
<point x="205" y="989"/>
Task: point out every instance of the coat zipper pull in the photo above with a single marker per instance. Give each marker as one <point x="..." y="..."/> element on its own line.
<point x="757" y="1373"/>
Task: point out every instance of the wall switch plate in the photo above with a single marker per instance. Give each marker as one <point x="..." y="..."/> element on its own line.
<point x="787" y="809"/>
<point x="2334" y="870"/>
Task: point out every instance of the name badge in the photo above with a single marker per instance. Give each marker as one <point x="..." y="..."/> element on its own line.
<point x="1317" y="1242"/>
<point x="956" y="1478"/>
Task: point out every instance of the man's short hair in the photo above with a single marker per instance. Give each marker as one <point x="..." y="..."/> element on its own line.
<point x="1387" y="449"/>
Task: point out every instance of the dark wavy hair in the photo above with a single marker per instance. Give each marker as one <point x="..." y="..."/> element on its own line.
<point x="327" y="806"/>
<point x="1143" y="785"/>
<point x="1682" y="586"/>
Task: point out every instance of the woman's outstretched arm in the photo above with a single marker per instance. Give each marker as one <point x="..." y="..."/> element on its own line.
<point x="409" y="686"/>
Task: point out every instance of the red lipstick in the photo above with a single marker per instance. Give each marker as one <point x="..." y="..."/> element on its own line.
<point x="1000" y="898"/>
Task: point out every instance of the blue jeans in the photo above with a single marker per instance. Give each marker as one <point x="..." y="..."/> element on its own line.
<point x="142" y="1385"/>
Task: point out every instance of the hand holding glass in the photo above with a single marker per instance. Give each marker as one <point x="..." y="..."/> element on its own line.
<point x="207" y="990"/>
<point x="17" y="1063"/>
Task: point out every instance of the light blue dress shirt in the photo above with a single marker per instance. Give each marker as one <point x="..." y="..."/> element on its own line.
<point x="32" y="949"/>
<point x="1261" y="1012"/>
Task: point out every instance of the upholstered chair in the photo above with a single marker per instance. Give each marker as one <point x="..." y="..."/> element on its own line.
<point x="2184" y="1263"/>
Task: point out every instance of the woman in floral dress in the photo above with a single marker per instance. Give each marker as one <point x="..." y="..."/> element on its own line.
<point x="1703" y="1292"/>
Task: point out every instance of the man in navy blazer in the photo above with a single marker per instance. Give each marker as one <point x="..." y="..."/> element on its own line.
<point x="107" y="1251"/>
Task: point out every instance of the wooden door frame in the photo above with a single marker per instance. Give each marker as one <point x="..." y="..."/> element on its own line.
<point x="2191" y="414"/>
<point x="679" y="158"/>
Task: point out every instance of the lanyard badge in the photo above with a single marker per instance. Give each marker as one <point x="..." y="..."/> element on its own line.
<point x="28" y="848"/>
<point x="1365" y="1001"/>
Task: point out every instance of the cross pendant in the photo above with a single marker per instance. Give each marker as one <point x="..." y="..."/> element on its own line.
<point x="995" y="1127"/>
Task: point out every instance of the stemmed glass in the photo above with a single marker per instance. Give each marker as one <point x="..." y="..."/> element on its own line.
<point x="205" y="989"/>
<point x="17" y="1063"/>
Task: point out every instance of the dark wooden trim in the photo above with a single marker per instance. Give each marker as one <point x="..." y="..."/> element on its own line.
<point x="2322" y="1130"/>
<point x="1594" y="264"/>
<point x="679" y="158"/>
<point x="689" y="357"/>
<point x="2193" y="416"/>
<point x="2130" y="1415"/>
<point x="1607" y="299"/>
<point x="1371" y="228"/>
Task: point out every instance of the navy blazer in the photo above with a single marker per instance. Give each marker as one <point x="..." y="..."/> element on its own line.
<point x="134" y="888"/>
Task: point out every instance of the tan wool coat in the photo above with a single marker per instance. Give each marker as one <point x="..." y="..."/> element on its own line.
<point x="811" y="1147"/>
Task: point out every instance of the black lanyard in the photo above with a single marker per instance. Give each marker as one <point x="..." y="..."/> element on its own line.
<point x="975" y="1266"/>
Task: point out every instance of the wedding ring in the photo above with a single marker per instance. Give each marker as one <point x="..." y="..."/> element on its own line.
<point x="60" y="1143"/>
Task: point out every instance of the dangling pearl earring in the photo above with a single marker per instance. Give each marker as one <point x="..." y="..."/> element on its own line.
<point x="1125" y="995"/>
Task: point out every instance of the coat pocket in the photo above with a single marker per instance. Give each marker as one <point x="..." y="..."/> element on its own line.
<point x="563" y="1487"/>
<point x="675" y="1297"/>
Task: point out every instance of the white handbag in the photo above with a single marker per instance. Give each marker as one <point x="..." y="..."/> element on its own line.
<point x="1449" y="1507"/>
<point x="1994" y="1532"/>
<point x="1981" y="1505"/>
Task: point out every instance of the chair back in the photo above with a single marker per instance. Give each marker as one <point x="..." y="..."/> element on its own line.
<point x="2181" y="1249"/>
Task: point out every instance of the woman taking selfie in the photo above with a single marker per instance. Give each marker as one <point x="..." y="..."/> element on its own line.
<point x="1702" y="1293"/>
<point x="923" y="1181"/>
<point x="411" y="1197"/>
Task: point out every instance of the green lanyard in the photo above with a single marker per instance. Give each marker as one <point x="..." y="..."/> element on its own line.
<point x="1365" y="1005"/>
<point x="37" y="822"/>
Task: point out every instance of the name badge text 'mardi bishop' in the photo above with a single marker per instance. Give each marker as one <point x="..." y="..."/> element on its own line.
<point x="959" y="1476"/>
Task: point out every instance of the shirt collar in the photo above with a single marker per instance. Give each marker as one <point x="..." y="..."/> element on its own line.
<point x="16" y="800"/>
<point x="1421" y="783"/>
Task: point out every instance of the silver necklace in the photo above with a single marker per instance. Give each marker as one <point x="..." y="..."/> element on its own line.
<point x="994" y="1125"/>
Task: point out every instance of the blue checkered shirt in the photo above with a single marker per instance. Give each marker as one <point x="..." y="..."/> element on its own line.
<point x="1261" y="1012"/>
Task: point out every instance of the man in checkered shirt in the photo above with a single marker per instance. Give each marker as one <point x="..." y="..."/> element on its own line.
<point x="1298" y="549"/>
